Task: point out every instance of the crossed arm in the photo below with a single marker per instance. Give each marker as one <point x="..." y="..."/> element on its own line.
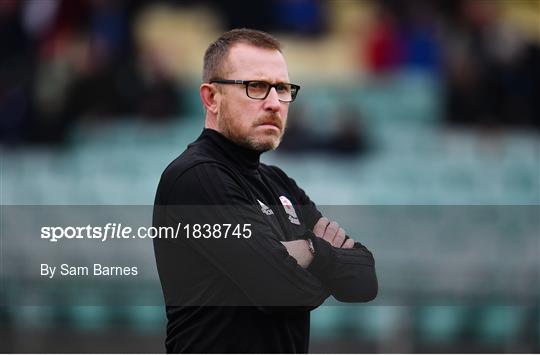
<point x="324" y="229"/>
<point x="267" y="271"/>
<point x="349" y="270"/>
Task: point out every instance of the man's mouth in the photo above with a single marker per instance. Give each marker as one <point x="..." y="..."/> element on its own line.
<point x="270" y="124"/>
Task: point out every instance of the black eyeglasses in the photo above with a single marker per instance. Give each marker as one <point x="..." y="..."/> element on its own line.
<point x="259" y="90"/>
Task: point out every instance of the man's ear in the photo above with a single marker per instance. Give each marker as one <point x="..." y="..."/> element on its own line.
<point x="209" y="97"/>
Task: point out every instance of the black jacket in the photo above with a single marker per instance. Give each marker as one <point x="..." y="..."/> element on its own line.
<point x="244" y="293"/>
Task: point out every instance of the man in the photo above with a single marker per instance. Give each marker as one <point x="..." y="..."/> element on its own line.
<point x="255" y="255"/>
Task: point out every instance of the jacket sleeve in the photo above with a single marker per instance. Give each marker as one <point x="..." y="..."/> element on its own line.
<point x="349" y="274"/>
<point x="260" y="265"/>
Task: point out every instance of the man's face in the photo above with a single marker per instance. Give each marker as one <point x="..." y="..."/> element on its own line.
<point x="255" y="124"/>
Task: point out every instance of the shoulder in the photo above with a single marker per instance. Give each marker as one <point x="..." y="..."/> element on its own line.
<point x="194" y="180"/>
<point x="274" y="171"/>
<point x="278" y="175"/>
<point x="189" y="160"/>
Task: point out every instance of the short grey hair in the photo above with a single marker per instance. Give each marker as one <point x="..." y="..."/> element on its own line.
<point x="217" y="51"/>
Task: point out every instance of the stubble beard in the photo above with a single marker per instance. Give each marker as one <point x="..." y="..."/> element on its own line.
<point x="246" y="141"/>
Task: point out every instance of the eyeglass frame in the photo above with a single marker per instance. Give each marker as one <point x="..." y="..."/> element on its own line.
<point x="270" y="86"/>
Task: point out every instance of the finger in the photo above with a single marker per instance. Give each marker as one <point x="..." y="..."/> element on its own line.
<point x="330" y="232"/>
<point x="349" y="243"/>
<point x="340" y="238"/>
<point x="320" y="226"/>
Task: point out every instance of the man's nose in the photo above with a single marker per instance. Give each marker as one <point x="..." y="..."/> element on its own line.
<point x="272" y="103"/>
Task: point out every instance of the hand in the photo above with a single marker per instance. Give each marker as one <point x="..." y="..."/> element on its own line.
<point x="299" y="250"/>
<point x="332" y="233"/>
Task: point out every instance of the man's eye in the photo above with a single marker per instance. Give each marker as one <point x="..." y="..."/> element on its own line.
<point x="282" y="87"/>
<point x="257" y="85"/>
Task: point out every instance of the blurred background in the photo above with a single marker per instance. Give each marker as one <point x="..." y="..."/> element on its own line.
<point x="403" y="103"/>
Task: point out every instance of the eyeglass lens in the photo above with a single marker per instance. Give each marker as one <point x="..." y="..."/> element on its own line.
<point x="260" y="89"/>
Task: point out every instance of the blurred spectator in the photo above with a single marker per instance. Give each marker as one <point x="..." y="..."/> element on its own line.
<point x="422" y="38"/>
<point x="13" y="113"/>
<point x="405" y="34"/>
<point x="79" y="66"/>
<point x="385" y="47"/>
<point x="487" y="65"/>
<point x="62" y="60"/>
<point x="490" y="76"/>
<point x="159" y="96"/>
<point x="245" y="13"/>
<point x="301" y="17"/>
<point x="298" y="137"/>
<point x="345" y="134"/>
<point x="15" y="73"/>
<point x="350" y="138"/>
